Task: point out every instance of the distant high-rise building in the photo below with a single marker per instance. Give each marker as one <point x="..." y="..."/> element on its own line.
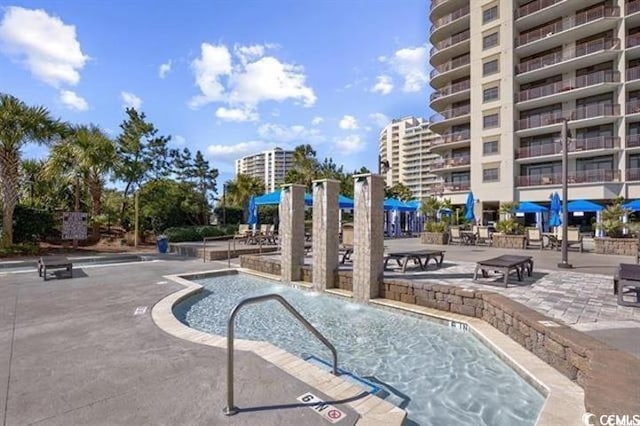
<point x="269" y="166"/>
<point x="404" y="144"/>
<point x="507" y="73"/>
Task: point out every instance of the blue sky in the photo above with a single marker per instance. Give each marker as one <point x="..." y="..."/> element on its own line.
<point x="226" y="77"/>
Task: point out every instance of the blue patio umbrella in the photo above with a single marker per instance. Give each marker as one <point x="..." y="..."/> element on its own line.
<point x="345" y="202"/>
<point x="556" y="206"/>
<point x="253" y="211"/>
<point x="273" y="198"/>
<point x="469" y="215"/>
<point x="528" y="207"/>
<point x="634" y="206"/>
<point x="583" y="206"/>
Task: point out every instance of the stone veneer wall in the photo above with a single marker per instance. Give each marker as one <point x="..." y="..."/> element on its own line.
<point x="508" y="241"/>
<point x="192" y="251"/>
<point x="619" y="246"/>
<point x="437" y="238"/>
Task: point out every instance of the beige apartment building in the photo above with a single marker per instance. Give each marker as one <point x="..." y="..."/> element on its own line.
<point x="269" y="166"/>
<point x="506" y="73"/>
<point x="404" y="144"/>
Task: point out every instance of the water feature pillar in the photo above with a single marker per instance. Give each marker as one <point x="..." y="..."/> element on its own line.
<point x="368" y="238"/>
<point x="291" y="231"/>
<point x="325" y="232"/>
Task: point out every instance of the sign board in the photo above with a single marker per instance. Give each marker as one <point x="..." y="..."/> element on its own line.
<point x="329" y="412"/>
<point x="74" y="226"/>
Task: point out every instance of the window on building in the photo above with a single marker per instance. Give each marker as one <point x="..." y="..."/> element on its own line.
<point x="490" y="94"/>
<point x="491" y="175"/>
<point x="490" y="121"/>
<point x="490" y="147"/>
<point x="634" y="162"/>
<point x="595" y="163"/>
<point x="489" y="67"/>
<point x="490" y="40"/>
<point x="489" y="14"/>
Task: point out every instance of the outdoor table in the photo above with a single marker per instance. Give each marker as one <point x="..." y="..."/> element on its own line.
<point x="54" y="262"/>
<point x="468" y="237"/>
<point x="552" y="239"/>
<point x="627" y="281"/>
<point x="505" y="264"/>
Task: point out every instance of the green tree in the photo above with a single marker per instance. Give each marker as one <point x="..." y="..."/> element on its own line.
<point x="142" y="154"/>
<point x="399" y="191"/>
<point x="204" y="180"/>
<point x="19" y="124"/>
<point x="240" y="189"/>
<point x="305" y="166"/>
<point x="166" y="203"/>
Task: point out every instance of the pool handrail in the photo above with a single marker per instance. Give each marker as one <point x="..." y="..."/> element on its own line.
<point x="231" y="409"/>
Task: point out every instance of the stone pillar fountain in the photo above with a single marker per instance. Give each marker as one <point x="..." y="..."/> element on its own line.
<point x="325" y="233"/>
<point x="291" y="231"/>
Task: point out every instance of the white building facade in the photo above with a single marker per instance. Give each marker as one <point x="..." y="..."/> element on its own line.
<point x="271" y="167"/>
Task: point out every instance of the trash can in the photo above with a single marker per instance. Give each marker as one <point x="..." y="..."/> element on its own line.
<point x="163" y="244"/>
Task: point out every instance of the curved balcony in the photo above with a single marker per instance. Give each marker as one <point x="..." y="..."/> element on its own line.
<point x="632" y="141"/>
<point x="451" y="46"/>
<point x="440" y="8"/>
<point x="449" y="117"/>
<point x="598" y="19"/>
<point x="538" y="12"/>
<point x="575" y="177"/>
<point x="579" y="56"/>
<point x="441" y="188"/>
<point x="584" y="85"/>
<point x="451" y="93"/>
<point x="451" y="163"/>
<point x="451" y="140"/>
<point x="450" y="70"/>
<point x="454" y="22"/>
<point x="576" y="146"/>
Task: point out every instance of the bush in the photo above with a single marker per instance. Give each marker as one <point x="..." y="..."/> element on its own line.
<point x="31" y="225"/>
<point x="509" y="227"/>
<point x="26" y="249"/>
<point x="435" y="227"/>
<point x="197" y="233"/>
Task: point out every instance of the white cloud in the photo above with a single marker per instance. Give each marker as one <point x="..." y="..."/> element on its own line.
<point x="165" y="69"/>
<point x="72" y="101"/>
<point x="129" y="100"/>
<point x="317" y="121"/>
<point x="350" y="144"/>
<point x="236" y="114"/>
<point x="179" y="140"/>
<point x="298" y="133"/>
<point x="410" y="63"/>
<point x="379" y="118"/>
<point x="247" y="79"/>
<point x="348" y="122"/>
<point x="384" y="85"/>
<point x="231" y="152"/>
<point x="44" y="44"/>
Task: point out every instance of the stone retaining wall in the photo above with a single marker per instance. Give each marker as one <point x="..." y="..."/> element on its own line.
<point x="437" y="238"/>
<point x="219" y="254"/>
<point x="508" y="241"/>
<point x="619" y="246"/>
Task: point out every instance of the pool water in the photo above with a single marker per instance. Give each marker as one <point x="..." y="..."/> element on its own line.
<point x="440" y="375"/>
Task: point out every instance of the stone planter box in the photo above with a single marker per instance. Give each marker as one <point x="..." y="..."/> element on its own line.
<point x="509" y="241"/>
<point x="619" y="246"/>
<point x="437" y="238"/>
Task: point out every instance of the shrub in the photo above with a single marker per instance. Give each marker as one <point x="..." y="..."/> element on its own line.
<point x="31" y="225"/>
<point x="509" y="227"/>
<point x="25" y="249"/>
<point x="197" y="233"/>
<point x="612" y="219"/>
<point x="435" y="227"/>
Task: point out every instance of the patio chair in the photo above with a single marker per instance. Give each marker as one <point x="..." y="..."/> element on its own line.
<point x="574" y="238"/>
<point x="243" y="232"/>
<point x="347" y="234"/>
<point x="454" y="236"/>
<point x="484" y="236"/>
<point x="534" y="238"/>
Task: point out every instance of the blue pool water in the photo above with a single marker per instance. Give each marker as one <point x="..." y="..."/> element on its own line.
<point x="440" y="374"/>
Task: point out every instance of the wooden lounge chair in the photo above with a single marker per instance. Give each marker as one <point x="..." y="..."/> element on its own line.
<point x="48" y="263"/>
<point x="403" y="258"/>
<point x="454" y="236"/>
<point x="505" y="264"/>
<point x="534" y="238"/>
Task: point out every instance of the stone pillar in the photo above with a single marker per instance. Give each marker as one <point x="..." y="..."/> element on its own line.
<point x="368" y="239"/>
<point x="291" y="231"/>
<point x="325" y="233"/>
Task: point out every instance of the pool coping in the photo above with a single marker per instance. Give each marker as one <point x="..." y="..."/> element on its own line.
<point x="371" y="410"/>
<point x="564" y="399"/>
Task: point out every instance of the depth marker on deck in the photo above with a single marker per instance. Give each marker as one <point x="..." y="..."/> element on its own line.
<point x="162" y="282"/>
<point x="329" y="412"/>
<point x="140" y="310"/>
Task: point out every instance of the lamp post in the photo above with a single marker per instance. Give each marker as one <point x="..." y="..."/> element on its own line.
<point x="564" y="264"/>
<point x="224" y="204"/>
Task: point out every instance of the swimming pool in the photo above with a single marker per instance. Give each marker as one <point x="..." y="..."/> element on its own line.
<point x="438" y="374"/>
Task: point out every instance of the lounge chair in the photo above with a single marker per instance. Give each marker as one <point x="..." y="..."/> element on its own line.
<point x="574" y="238"/>
<point x="484" y="236"/>
<point x="534" y="238"/>
<point x="454" y="236"/>
<point x="346" y="245"/>
<point x="243" y="232"/>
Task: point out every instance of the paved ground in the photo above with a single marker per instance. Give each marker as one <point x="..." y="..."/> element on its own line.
<point x="73" y="352"/>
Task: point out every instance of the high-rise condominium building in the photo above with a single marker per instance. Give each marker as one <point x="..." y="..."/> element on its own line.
<point x="269" y="166"/>
<point x="404" y="143"/>
<point x="506" y="73"/>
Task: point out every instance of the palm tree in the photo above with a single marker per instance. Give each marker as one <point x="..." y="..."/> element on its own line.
<point x="239" y="190"/>
<point x="305" y="168"/>
<point x="19" y="124"/>
<point x="86" y="153"/>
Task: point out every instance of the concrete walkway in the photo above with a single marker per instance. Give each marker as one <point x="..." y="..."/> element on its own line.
<point x="73" y="351"/>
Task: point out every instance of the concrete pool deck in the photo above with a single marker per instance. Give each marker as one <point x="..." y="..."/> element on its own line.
<point x="73" y="351"/>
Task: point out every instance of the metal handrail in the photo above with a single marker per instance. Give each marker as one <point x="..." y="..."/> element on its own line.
<point x="231" y="409"/>
<point x="222" y="237"/>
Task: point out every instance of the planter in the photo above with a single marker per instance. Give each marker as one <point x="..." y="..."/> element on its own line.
<point x="509" y="241"/>
<point x="619" y="246"/>
<point x="437" y="238"/>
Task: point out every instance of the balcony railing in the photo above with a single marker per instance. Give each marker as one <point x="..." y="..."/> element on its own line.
<point x="435" y="3"/>
<point x="585" y="176"/>
<point x="450" y="65"/>
<point x="633" y="40"/>
<point x="578" y="19"/>
<point x="633" y="174"/>
<point x="633" y="141"/>
<point x="451" y="113"/>
<point x="450" y="187"/>
<point x="451" y="162"/>
<point x="633" y="73"/>
<point x="633" y="106"/>
<point x="450" y="41"/>
<point x="596" y="110"/>
<point x="577" y="145"/>
<point x="561" y="56"/>
<point x="608" y="76"/>
<point x="447" y="19"/>
<point x="556" y="117"/>
<point x="533" y="7"/>
<point x="450" y="89"/>
<point x="446" y="138"/>
<point x="632" y="7"/>
<point x="540" y="120"/>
